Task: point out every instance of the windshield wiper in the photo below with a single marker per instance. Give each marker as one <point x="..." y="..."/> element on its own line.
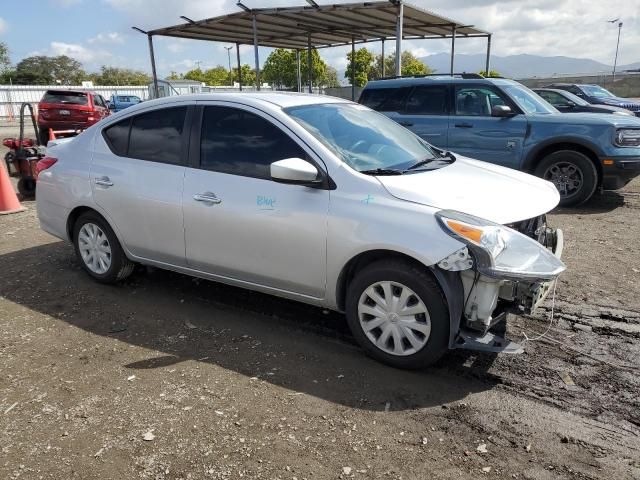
<point x="382" y="171"/>
<point x="445" y="155"/>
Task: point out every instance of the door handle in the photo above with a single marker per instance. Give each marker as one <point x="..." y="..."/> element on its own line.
<point x="207" y="197"/>
<point x="103" y="181"/>
<point x="463" y="125"/>
<point x="406" y="124"/>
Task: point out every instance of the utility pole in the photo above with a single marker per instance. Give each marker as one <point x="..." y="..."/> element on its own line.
<point x="228" y="49"/>
<point x="615" y="60"/>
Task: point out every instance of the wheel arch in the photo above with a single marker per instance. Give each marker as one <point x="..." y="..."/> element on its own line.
<point x="75" y="213"/>
<point x="542" y="150"/>
<point x="449" y="282"/>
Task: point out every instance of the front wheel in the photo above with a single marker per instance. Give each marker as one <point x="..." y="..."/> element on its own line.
<point x="398" y="314"/>
<point x="98" y="249"/>
<point x="573" y="173"/>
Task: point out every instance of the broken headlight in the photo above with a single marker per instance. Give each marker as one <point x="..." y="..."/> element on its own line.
<point x="500" y="251"/>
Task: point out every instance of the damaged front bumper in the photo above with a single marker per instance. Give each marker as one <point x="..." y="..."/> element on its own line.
<point x="489" y="299"/>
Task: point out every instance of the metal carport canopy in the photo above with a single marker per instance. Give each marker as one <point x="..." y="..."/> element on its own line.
<point x="323" y="26"/>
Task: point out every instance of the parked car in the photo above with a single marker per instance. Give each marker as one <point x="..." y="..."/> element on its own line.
<point x="567" y="102"/>
<point x="69" y="110"/>
<point x="315" y="199"/>
<point x="120" y="102"/>
<point x="503" y="122"/>
<point x="597" y="95"/>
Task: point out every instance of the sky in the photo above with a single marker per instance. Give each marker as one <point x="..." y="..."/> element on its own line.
<point x="98" y="32"/>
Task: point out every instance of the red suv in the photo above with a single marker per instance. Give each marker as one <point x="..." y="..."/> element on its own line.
<point x="69" y="110"/>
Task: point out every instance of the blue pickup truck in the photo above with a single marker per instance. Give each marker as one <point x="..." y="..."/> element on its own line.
<point x="503" y="122"/>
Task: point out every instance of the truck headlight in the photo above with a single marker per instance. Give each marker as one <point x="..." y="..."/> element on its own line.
<point x="500" y="251"/>
<point x="627" y="137"/>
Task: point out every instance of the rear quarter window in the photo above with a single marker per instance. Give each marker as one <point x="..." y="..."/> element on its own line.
<point x="384" y="99"/>
<point x="117" y="137"/>
<point x="73" y="98"/>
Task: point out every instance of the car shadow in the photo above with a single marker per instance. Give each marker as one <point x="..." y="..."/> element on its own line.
<point x="604" y="202"/>
<point x="304" y="349"/>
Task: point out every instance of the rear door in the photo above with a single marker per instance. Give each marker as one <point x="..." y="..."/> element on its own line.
<point x="426" y="113"/>
<point x="137" y="178"/>
<point x="100" y="107"/>
<point x="474" y="133"/>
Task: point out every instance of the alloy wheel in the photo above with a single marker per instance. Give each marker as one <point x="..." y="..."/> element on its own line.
<point x="566" y="176"/>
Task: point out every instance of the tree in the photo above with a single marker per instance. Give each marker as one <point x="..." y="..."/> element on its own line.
<point x="492" y="73"/>
<point x="120" y="76"/>
<point x="361" y="66"/>
<point x="409" y="63"/>
<point x="332" y="77"/>
<point x="248" y="75"/>
<point x="6" y="72"/>
<point x="175" y="76"/>
<point x="280" y="69"/>
<point x="217" y="76"/>
<point x="43" y="70"/>
<point x="196" y="75"/>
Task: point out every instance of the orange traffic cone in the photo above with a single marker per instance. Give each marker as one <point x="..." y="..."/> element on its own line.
<point x="52" y="136"/>
<point x="8" y="199"/>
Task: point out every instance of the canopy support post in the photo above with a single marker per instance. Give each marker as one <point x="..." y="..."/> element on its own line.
<point x="156" y="90"/>
<point x="309" y="63"/>
<point x="453" y="46"/>
<point x="298" y="71"/>
<point x="399" y="39"/>
<point x="255" y="51"/>
<point x="353" y="69"/>
<point x="239" y="66"/>
<point x="382" y="56"/>
<point x="486" y="69"/>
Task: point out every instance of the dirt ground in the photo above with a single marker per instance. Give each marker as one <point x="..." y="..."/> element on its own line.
<point x="169" y="377"/>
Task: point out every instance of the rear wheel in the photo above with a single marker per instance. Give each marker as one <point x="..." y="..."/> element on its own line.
<point x="573" y="173"/>
<point x="27" y="187"/>
<point x="398" y="314"/>
<point x="98" y="249"/>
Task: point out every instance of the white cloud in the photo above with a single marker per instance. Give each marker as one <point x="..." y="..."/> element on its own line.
<point x="3" y="25"/>
<point x="79" y="52"/>
<point x="110" y="37"/>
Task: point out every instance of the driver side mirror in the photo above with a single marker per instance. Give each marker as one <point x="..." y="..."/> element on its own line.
<point x="501" y="111"/>
<point x="294" y="171"/>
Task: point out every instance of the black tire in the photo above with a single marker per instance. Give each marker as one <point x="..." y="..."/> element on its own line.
<point x="426" y="287"/>
<point x="43" y="133"/>
<point x="27" y="187"/>
<point x="121" y="267"/>
<point x="585" y="168"/>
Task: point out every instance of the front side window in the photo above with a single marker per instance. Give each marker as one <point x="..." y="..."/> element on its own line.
<point x="427" y="100"/>
<point x="476" y="101"/>
<point x="157" y="135"/>
<point x="554" y="98"/>
<point x="365" y="140"/>
<point x="241" y="143"/>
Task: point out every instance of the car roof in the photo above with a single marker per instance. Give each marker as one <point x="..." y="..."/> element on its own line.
<point x="435" y="80"/>
<point x="280" y="99"/>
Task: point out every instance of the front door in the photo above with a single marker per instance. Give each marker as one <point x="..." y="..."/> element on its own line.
<point x="239" y="223"/>
<point x="137" y="177"/>
<point x="474" y="133"/>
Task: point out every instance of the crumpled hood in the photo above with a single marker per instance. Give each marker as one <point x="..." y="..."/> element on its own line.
<point x="482" y="189"/>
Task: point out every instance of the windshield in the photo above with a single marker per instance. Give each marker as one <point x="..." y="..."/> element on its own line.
<point x="574" y="98"/>
<point x="528" y="101"/>
<point x="596" y="91"/>
<point x="364" y="139"/>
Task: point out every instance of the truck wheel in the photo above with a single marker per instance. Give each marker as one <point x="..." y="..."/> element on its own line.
<point x="398" y="314"/>
<point x="27" y="187"/>
<point x="573" y="173"/>
<point x="98" y="249"/>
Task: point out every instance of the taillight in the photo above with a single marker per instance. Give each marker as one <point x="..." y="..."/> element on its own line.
<point x="42" y="165"/>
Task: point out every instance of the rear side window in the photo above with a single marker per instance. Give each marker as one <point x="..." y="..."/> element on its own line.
<point x="73" y="98"/>
<point x="427" y="100"/>
<point x="157" y="135"/>
<point x="384" y="99"/>
<point x="117" y="136"/>
<point x="241" y="143"/>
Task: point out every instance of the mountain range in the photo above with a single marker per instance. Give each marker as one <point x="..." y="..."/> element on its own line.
<point x="522" y="66"/>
